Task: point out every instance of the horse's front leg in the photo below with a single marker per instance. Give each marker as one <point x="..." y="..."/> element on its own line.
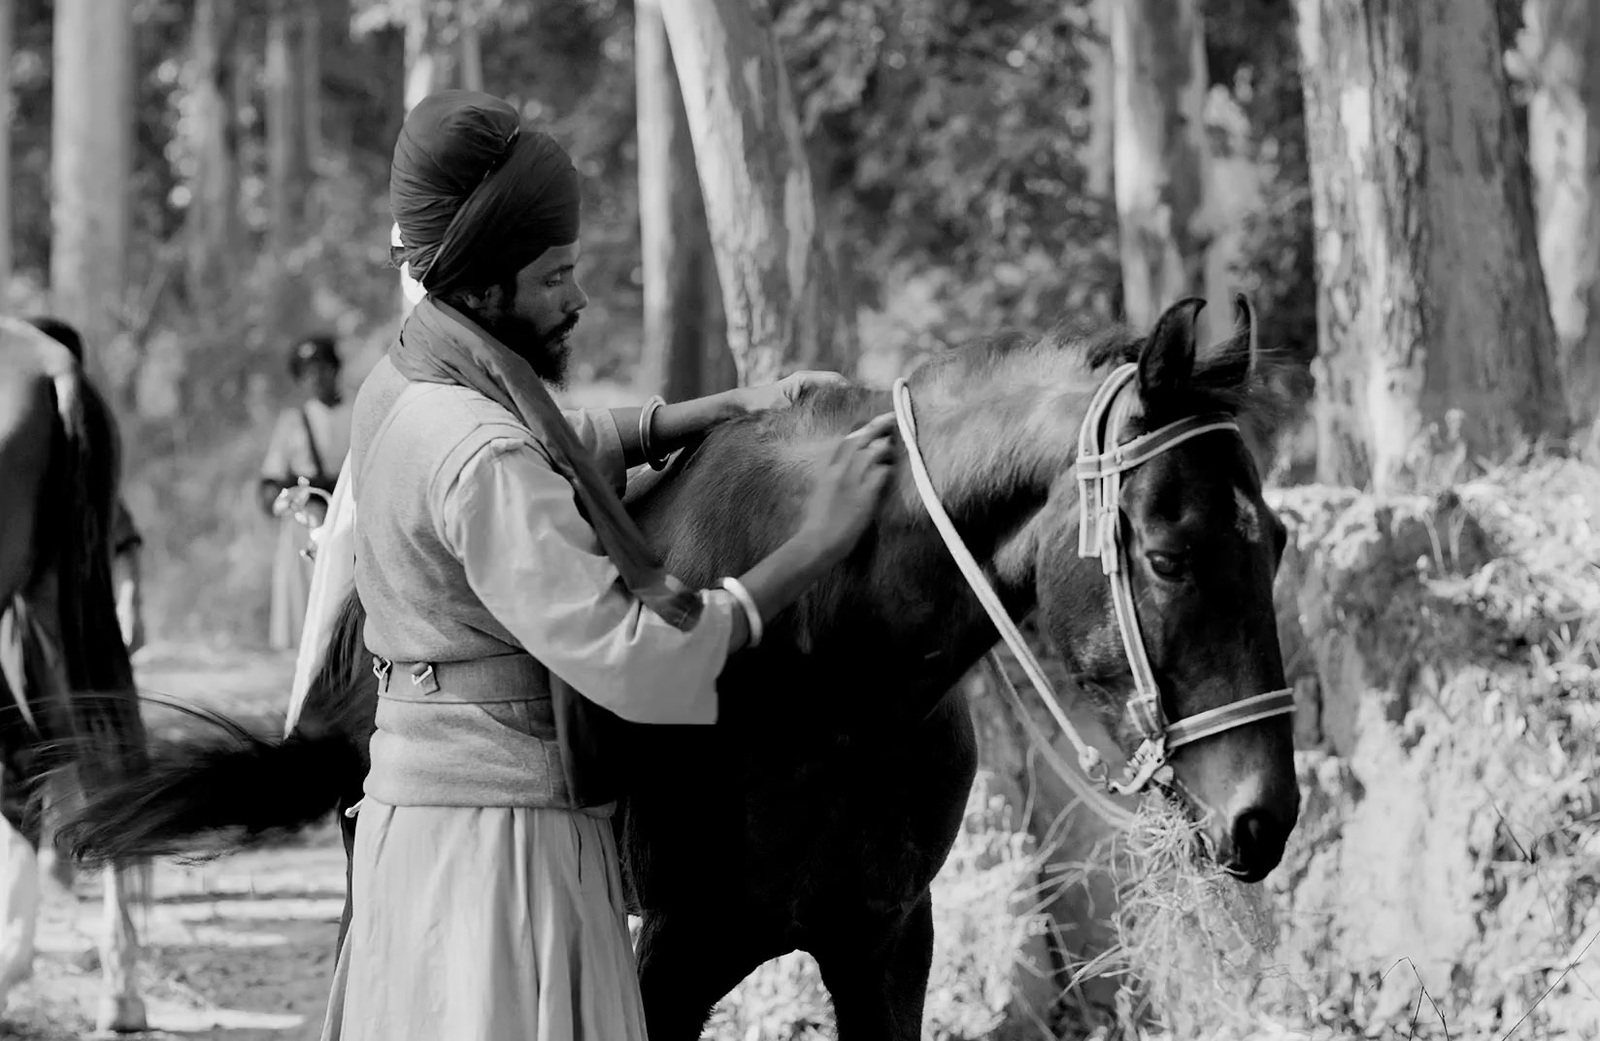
<point x="121" y="1008"/>
<point x="19" y="908"/>
<point x="876" y="970"/>
<point x="689" y="959"/>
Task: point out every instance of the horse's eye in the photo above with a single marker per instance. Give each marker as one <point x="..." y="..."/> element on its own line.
<point x="1167" y="565"/>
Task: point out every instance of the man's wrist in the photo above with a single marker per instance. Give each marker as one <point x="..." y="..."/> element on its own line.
<point x="731" y="404"/>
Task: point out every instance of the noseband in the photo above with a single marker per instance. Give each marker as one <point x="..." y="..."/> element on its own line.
<point x="1099" y="471"/>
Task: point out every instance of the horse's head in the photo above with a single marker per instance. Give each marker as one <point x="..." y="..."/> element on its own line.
<point x="1195" y="549"/>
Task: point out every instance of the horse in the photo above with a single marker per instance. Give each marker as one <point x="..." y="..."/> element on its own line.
<point x="69" y="713"/>
<point x="818" y="809"/>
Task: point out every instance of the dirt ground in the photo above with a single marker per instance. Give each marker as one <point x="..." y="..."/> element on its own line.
<point x="239" y="948"/>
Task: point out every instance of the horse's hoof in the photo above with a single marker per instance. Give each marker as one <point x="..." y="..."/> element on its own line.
<point x="121" y="1015"/>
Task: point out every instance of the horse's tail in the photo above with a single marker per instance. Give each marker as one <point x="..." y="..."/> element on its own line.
<point x="211" y="795"/>
<point x="74" y="727"/>
<point x="105" y="721"/>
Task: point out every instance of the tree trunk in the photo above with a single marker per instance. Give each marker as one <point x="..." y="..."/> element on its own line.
<point x="428" y="60"/>
<point x="91" y="169"/>
<point x="311" y="84"/>
<point x="776" y="275"/>
<point x="1162" y="158"/>
<point x="212" y="222"/>
<point x="685" y="352"/>
<point x="1099" y="155"/>
<point x="1560" y="48"/>
<point x="7" y="21"/>
<point x="1430" y="298"/>
<point x="288" y="137"/>
<point x="471" y="47"/>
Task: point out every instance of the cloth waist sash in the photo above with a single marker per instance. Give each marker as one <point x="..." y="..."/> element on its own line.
<point x="469" y="733"/>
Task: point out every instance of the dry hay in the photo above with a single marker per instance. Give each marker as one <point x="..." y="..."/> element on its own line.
<point x="1194" y="946"/>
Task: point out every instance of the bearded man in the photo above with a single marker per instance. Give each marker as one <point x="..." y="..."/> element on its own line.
<point x="508" y="595"/>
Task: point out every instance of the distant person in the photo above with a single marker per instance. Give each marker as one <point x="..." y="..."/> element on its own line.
<point x="125" y="538"/>
<point x="310" y="442"/>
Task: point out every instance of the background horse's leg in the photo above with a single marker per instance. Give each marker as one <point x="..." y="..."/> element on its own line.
<point x="121" y="1008"/>
<point x="19" y="908"/>
<point x="876" y="971"/>
<point x="687" y="961"/>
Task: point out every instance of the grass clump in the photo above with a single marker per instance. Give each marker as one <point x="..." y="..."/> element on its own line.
<point x="1193" y="945"/>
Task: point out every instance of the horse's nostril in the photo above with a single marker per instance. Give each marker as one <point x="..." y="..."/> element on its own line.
<point x="1258" y="837"/>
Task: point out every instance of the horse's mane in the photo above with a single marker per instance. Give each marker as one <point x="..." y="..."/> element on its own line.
<point x="1008" y="391"/>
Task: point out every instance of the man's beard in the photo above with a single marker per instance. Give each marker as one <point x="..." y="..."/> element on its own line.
<point x="546" y="352"/>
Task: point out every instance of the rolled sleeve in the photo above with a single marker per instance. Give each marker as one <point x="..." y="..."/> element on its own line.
<point x="537" y="567"/>
<point x="597" y="431"/>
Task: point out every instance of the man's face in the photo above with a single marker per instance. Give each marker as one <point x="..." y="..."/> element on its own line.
<point x="535" y="313"/>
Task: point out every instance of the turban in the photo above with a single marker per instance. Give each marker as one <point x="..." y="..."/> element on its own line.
<point x="477" y="197"/>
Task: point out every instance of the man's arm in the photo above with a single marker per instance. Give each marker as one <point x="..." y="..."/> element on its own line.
<point x="672" y="426"/>
<point x="126" y="578"/>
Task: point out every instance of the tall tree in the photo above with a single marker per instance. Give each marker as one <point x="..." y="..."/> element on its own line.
<point x="469" y="42"/>
<point x="1099" y="155"/>
<point x="91" y="165"/>
<point x="685" y="353"/>
<point x="1560" y="55"/>
<point x="288" y="72"/>
<point x="429" y="64"/>
<point x="1431" y="298"/>
<point x="1162" y="158"/>
<point x="212" y="220"/>
<point x="7" y="21"/>
<point x="773" y="263"/>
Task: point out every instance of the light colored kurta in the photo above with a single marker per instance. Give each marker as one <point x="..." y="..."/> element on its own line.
<point x="289" y="454"/>
<point x="505" y="923"/>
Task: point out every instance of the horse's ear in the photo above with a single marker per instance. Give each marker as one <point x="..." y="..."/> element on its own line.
<point x="1167" y="361"/>
<point x="1237" y="358"/>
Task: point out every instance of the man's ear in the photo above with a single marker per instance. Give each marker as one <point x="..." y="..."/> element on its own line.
<point x="485" y="301"/>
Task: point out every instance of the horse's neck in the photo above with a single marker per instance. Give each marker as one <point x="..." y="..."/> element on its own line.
<point x="994" y="456"/>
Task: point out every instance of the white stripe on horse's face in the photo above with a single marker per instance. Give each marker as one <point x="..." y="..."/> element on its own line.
<point x="1249" y="519"/>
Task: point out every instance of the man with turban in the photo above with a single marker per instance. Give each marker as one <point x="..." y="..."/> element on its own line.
<point x="513" y="607"/>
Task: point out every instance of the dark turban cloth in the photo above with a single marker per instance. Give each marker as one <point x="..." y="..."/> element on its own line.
<point x="477" y="196"/>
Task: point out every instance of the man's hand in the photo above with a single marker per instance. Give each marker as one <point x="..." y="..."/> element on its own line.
<point x="783" y="393"/>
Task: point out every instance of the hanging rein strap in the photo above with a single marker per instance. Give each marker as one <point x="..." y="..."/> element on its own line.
<point x="1089" y="759"/>
<point x="1099" y="473"/>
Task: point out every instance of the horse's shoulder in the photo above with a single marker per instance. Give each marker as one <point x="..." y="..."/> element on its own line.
<point x="27" y="398"/>
<point x="27" y="354"/>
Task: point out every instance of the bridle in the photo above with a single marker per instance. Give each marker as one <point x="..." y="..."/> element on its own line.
<point x="1100" y="470"/>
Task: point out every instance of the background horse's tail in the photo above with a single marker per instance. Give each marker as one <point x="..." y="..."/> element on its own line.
<point x="209" y="795"/>
<point x="74" y="725"/>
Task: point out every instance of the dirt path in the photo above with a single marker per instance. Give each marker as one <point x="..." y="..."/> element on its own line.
<point x="239" y="948"/>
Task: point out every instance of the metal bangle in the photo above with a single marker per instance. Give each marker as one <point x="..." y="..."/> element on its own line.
<point x="752" y="614"/>
<point x="646" y="414"/>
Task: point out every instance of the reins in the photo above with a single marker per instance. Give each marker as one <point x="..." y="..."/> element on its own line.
<point x="1099" y="472"/>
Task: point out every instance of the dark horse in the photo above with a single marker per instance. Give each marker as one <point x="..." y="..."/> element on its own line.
<point x="818" y="810"/>
<point x="69" y="714"/>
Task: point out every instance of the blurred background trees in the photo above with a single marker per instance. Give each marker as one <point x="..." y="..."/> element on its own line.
<point x="843" y="183"/>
